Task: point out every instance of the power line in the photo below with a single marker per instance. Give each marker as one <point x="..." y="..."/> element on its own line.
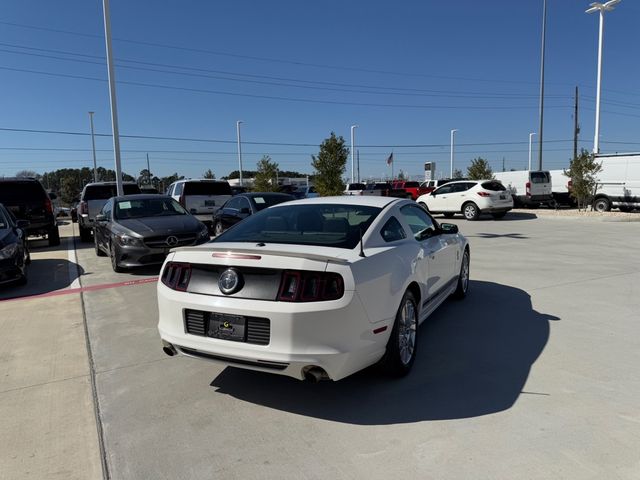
<point x="280" y="98"/>
<point x="148" y="137"/>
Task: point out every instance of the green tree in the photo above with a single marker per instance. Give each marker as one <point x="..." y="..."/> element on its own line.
<point x="27" y="174"/>
<point x="457" y="174"/>
<point x="330" y="165"/>
<point x="209" y="174"/>
<point x="582" y="172"/>
<point x="479" y="170"/>
<point x="265" y="179"/>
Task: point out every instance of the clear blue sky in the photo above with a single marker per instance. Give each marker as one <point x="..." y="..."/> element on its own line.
<point x="406" y="72"/>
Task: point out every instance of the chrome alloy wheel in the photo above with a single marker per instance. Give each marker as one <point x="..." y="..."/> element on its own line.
<point x="464" y="272"/>
<point x="407" y="331"/>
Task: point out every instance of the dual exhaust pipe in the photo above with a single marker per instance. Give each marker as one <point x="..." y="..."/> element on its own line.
<point x="311" y="374"/>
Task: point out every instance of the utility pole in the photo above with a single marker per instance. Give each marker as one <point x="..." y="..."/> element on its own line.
<point x="503" y="164"/>
<point x="112" y="96"/>
<point x="576" y="128"/>
<point x="541" y="113"/>
<point x="358" y="158"/>
<point x="238" y="123"/>
<point x="93" y="145"/>
<point x="148" y="171"/>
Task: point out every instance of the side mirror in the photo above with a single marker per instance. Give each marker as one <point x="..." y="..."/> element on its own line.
<point x="448" y="228"/>
<point x="433" y="193"/>
<point x="22" y="224"/>
<point x="53" y="196"/>
<point x="101" y="218"/>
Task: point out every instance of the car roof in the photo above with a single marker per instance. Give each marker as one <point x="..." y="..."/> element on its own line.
<point x="265" y="194"/>
<point x="380" y="202"/>
<point x="212" y="180"/>
<point x="107" y="183"/>
<point x="141" y="196"/>
<point x="18" y="179"/>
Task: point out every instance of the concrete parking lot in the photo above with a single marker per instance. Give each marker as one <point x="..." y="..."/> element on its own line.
<point x="534" y="375"/>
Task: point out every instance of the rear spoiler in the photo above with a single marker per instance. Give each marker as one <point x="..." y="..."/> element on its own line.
<point x="222" y="253"/>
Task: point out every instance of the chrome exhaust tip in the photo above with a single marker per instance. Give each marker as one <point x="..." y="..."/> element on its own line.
<point x="315" y="374"/>
<point x="169" y="349"/>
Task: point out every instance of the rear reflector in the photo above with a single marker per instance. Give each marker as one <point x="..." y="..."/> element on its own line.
<point x="484" y="194"/>
<point x="380" y="330"/>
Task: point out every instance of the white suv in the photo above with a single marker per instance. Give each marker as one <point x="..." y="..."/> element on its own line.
<point x="201" y="197"/>
<point x="469" y="197"/>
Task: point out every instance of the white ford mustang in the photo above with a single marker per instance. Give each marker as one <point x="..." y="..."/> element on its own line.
<point x="313" y="289"/>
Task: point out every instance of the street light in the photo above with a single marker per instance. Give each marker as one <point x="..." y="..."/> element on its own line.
<point x="112" y="96"/>
<point x="353" y="155"/>
<point x="530" y="136"/>
<point x="600" y="7"/>
<point x="541" y="110"/>
<point x="452" y="134"/>
<point x="239" y="151"/>
<point x="93" y="145"/>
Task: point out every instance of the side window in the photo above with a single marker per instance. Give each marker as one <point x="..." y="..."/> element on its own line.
<point x="243" y="203"/>
<point x="170" y="190"/>
<point x="177" y="189"/>
<point x="421" y="224"/>
<point x="461" y="187"/>
<point x="392" y="231"/>
<point x="106" y="210"/>
<point x="234" y="203"/>
<point x="443" y="189"/>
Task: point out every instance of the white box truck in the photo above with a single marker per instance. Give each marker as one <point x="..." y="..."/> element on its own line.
<point x="618" y="182"/>
<point x="560" y="184"/>
<point x="529" y="188"/>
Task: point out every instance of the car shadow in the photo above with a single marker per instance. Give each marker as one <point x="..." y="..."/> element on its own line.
<point x="474" y="359"/>
<point x="44" y="276"/>
<point x="515" y="236"/>
<point x="516" y="216"/>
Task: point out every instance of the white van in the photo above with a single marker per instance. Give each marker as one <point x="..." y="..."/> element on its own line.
<point x="560" y="184"/>
<point x="529" y="188"/>
<point x="201" y="197"/>
<point x="618" y="182"/>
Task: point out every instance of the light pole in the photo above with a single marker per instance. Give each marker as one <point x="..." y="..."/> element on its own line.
<point x="600" y="7"/>
<point x="93" y="145"/>
<point x="452" y="135"/>
<point x="353" y="155"/>
<point x="530" y="137"/>
<point x="238" y="123"/>
<point x="541" y="112"/>
<point x="112" y="96"/>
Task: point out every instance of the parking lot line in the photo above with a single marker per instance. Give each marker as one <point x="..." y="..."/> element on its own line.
<point x="91" y="288"/>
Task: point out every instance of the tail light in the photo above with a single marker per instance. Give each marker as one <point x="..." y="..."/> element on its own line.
<point x="84" y="207"/>
<point x="302" y="286"/>
<point x="484" y="194"/>
<point x="528" y="187"/>
<point x="48" y="206"/>
<point x="176" y="276"/>
<point x="569" y="185"/>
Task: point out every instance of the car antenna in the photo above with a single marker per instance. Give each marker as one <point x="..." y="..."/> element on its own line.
<point x="361" y="245"/>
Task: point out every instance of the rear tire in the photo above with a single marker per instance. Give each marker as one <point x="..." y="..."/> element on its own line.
<point x="602" y="204"/>
<point x="498" y="215"/>
<point x="54" y="237"/>
<point x="448" y="214"/>
<point x="470" y="211"/>
<point x="403" y="341"/>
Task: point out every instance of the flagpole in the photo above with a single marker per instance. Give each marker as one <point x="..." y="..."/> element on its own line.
<point x="392" y="159"/>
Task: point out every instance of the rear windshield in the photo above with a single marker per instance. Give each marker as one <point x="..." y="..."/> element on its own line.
<point x="207" y="188"/>
<point x="148" y="207"/>
<point x="411" y="184"/>
<point x="356" y="186"/>
<point x="11" y="192"/>
<point x="105" y="192"/>
<point x="494" y="186"/>
<point x="327" y="225"/>
<point x="540" y="177"/>
<point x="266" y="201"/>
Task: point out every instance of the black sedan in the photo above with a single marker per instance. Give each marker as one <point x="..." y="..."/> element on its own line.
<point x="137" y="230"/>
<point x="241" y="206"/>
<point x="14" y="250"/>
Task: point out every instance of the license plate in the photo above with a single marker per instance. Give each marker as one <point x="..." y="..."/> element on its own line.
<point x="209" y="203"/>
<point x="226" y="327"/>
<point x="503" y="197"/>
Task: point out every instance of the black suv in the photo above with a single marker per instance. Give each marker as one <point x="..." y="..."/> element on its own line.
<point x="27" y="199"/>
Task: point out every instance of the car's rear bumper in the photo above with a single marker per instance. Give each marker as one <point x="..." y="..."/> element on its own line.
<point x="335" y="336"/>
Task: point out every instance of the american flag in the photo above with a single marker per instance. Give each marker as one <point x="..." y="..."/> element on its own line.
<point x="390" y="159"/>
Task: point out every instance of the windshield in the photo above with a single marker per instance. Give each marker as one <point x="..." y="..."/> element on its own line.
<point x="147" y="207"/>
<point x="540" y="177"/>
<point x="327" y="225"/>
<point x="356" y="186"/>
<point x="207" y="188"/>
<point x="266" y="201"/>
<point x="105" y="192"/>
